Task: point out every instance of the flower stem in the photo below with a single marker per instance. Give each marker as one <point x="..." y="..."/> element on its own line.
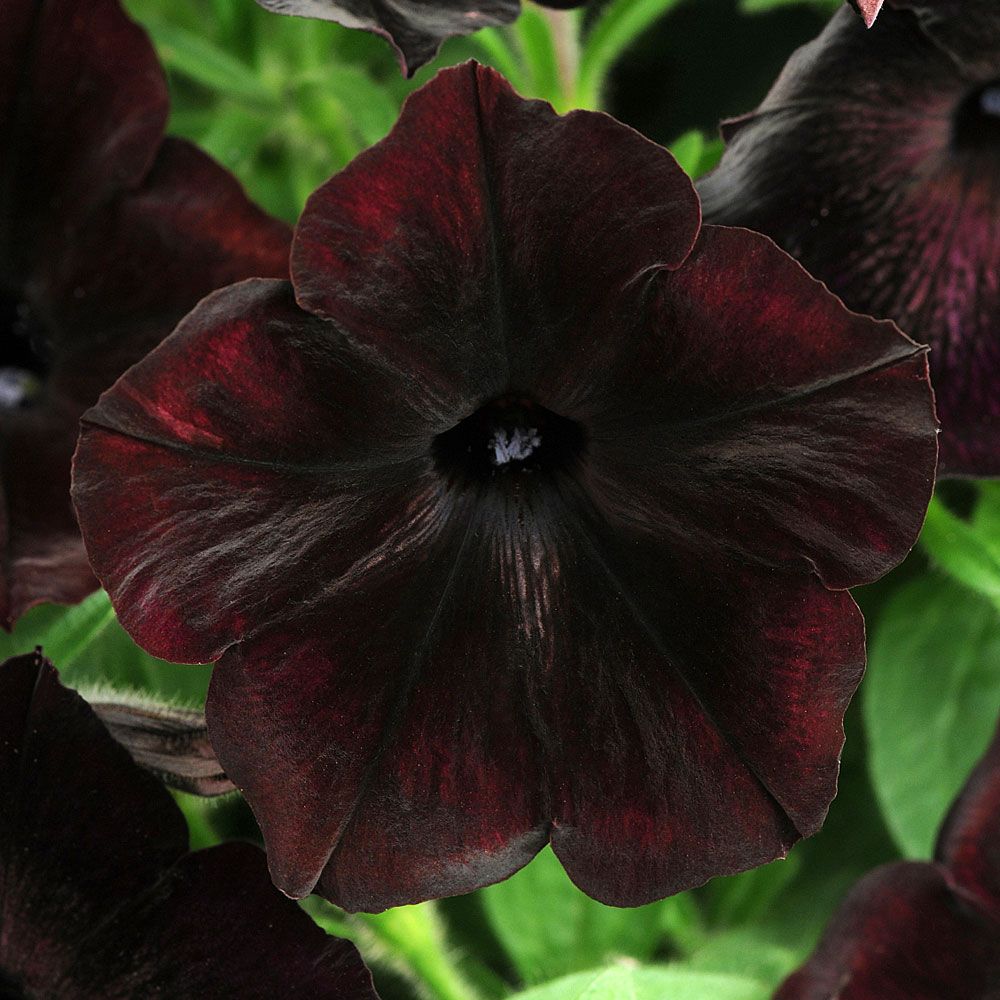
<point x="415" y="934"/>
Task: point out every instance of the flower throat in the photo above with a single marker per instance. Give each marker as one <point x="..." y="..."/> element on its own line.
<point x="511" y="435"/>
<point x="977" y="120"/>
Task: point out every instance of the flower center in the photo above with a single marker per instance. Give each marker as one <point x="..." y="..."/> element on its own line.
<point x="508" y="436"/>
<point x="23" y="356"/>
<point x="977" y="120"/>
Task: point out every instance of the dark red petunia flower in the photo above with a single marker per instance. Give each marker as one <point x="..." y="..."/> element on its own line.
<point x="875" y="161"/>
<point x="523" y="513"/>
<point x="921" y="930"/>
<point x="414" y="28"/>
<point x="109" y="234"/>
<point x="100" y="898"/>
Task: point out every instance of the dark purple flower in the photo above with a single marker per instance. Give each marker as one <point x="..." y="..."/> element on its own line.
<point x="875" y="161"/>
<point x="523" y="513"/>
<point x="414" y="28"/>
<point x="101" y="898"/>
<point x="921" y="930"/>
<point x="109" y="233"/>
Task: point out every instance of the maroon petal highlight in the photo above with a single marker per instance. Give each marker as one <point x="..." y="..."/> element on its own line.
<point x="101" y="898"/>
<point x="508" y="526"/>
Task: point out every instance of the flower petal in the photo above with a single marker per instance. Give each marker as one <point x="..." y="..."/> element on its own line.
<point x="414" y="28"/>
<point x="44" y="558"/>
<point x="101" y="898"/>
<point x="67" y="855"/>
<point x="857" y="136"/>
<point x="108" y="235"/>
<point x="72" y="134"/>
<point x="902" y="934"/>
<point x="749" y="392"/>
<point x="969" y="839"/>
<point x="536" y="223"/>
<point x="190" y="225"/>
<point x="302" y="441"/>
<point x="443" y="719"/>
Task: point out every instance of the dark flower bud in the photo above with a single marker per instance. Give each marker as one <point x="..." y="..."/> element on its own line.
<point x="171" y="742"/>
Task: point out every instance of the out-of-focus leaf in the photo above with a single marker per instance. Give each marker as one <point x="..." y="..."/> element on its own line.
<point x="372" y="109"/>
<point x="742" y="899"/>
<point x="986" y="514"/>
<point x="570" y="932"/>
<point x="632" y="982"/>
<point x="750" y="951"/>
<point x="619" y="24"/>
<point x="538" y="49"/>
<point x="931" y="701"/>
<point x="967" y="551"/>
<point x="91" y="650"/>
<point x="687" y="150"/>
<point x="852" y="842"/>
<point x="711" y="153"/>
<point x="196" y="57"/>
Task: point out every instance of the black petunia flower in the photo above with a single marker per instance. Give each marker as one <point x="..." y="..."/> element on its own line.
<point x="109" y="233"/>
<point x="921" y="930"/>
<point x="100" y="898"/>
<point x="414" y="28"/>
<point x="523" y="513"/>
<point x="875" y="161"/>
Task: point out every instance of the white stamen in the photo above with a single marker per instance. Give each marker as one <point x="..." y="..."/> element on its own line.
<point x="513" y="446"/>
<point x="17" y="387"/>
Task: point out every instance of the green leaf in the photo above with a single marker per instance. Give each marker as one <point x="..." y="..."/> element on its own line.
<point x="571" y="931"/>
<point x="91" y="650"/>
<point x="373" y="110"/>
<point x="742" y="899"/>
<point x="967" y="553"/>
<point x="627" y="982"/>
<point x="687" y="150"/>
<point x="931" y="701"/>
<point x="195" y="57"/>
<point x="415" y="934"/>
<point x="748" y="949"/>
<point x="498" y="48"/>
<point x="539" y="53"/>
<point x="620" y="23"/>
<point x="710" y="156"/>
<point x="986" y="515"/>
